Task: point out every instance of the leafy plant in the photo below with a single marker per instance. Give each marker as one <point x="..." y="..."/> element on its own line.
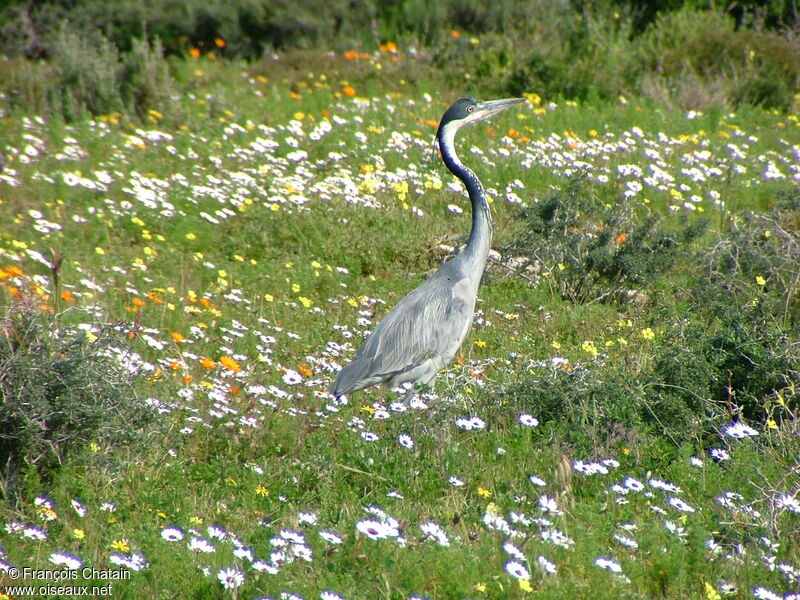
<point x="61" y="390"/>
<point x="593" y="252"/>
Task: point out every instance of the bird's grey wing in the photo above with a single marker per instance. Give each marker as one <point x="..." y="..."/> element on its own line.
<point x="429" y="323"/>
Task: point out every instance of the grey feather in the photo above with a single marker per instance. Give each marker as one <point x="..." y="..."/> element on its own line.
<point x="423" y="332"/>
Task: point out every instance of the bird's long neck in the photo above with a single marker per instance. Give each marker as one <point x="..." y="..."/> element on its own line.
<point x="480" y="236"/>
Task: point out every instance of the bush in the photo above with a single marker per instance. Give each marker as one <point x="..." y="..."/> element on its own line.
<point x="728" y="326"/>
<point x="758" y="258"/>
<point x="147" y="83"/>
<point x="88" y="75"/>
<point x="594" y="252"/>
<point x="61" y="390"/>
<point x="697" y="59"/>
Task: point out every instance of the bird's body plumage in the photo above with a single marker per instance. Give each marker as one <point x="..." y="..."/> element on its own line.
<point x="423" y="332"/>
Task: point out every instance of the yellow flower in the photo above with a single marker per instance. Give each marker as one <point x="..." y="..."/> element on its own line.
<point x="121" y="545"/>
<point x="78" y="534"/>
<point x="195" y="520"/>
<point x="760" y="280"/>
<point x="305" y="301"/>
<point x="262" y="491"/>
<point x="589" y="347"/>
<point x="480" y="343"/>
<point x="648" y="334"/>
<point x="99" y="250"/>
<point x="479" y="587"/>
<point x="230" y="364"/>
<point x="191" y="236"/>
<point x="484" y="492"/>
<point x="711" y="593"/>
<point x="534" y="98"/>
<point x="295" y="287"/>
<point x="525" y="585"/>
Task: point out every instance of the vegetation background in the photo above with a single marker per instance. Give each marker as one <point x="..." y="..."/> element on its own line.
<point x="204" y="205"/>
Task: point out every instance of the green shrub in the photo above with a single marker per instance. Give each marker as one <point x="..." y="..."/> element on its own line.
<point x="147" y="83"/>
<point x="727" y="326"/>
<point x="697" y="58"/>
<point x="594" y="252"/>
<point x="88" y="76"/>
<point x="61" y="390"/>
<point x="728" y="360"/>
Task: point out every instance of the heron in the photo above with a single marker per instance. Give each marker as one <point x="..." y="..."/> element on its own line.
<point x="422" y="333"/>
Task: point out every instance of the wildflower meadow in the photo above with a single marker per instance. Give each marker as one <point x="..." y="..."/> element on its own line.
<point x="180" y="287"/>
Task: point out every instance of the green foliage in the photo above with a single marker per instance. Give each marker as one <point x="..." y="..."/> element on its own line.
<point x="592" y="252"/>
<point x="684" y="53"/>
<point x="728" y="339"/>
<point x="698" y="59"/>
<point x="59" y="391"/>
<point x="89" y="75"/>
<point x="757" y="259"/>
<point x="147" y="83"/>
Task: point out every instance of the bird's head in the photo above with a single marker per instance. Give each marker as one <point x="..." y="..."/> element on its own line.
<point x="468" y="110"/>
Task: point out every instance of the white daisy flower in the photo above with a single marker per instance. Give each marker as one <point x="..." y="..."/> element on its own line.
<point x="546" y="565"/>
<point x="739" y="431"/>
<point x="65" y="560"/>
<point x="172" y="534"/>
<point x="230" y="578"/>
<point x="517" y="570"/>
<point x="377" y="530"/>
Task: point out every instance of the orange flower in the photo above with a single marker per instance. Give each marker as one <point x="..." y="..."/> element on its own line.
<point x="351" y="55"/>
<point x="348" y="91"/>
<point x="11" y="271"/>
<point x="67" y="296"/>
<point x="219" y="42"/>
<point x="513" y="133"/>
<point x="153" y="297"/>
<point x="432" y="123"/>
<point x="138" y="303"/>
<point x="207" y="363"/>
<point x="304" y="370"/>
<point x="194" y="52"/>
<point x="389" y="47"/>
<point x="455" y="34"/>
<point x="234" y="389"/>
<point x="230" y="364"/>
<point x="621" y="239"/>
<point x="177" y="337"/>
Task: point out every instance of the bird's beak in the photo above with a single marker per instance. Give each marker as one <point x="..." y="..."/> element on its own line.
<point x="486" y="109"/>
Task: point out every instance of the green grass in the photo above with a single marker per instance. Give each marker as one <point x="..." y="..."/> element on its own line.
<point x="259" y="257"/>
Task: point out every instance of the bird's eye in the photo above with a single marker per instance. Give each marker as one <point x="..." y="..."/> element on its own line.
<point x="470" y="108"/>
